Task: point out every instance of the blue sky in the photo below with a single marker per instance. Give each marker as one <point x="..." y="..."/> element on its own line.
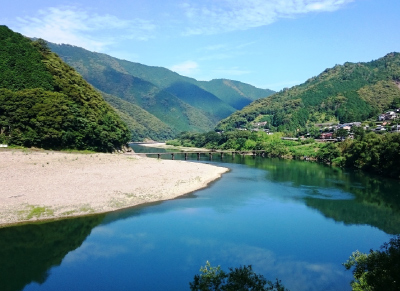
<point x="267" y="43"/>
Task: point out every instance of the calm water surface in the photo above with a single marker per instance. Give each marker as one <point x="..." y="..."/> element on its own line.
<point x="296" y="221"/>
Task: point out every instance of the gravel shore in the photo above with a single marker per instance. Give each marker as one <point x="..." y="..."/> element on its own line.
<point x="38" y="185"/>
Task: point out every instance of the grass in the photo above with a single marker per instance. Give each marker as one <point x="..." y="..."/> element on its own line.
<point x="86" y="208"/>
<point x="35" y="211"/>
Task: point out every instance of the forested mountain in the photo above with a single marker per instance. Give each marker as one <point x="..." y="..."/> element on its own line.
<point x="182" y="103"/>
<point x="46" y="103"/>
<point x="142" y="124"/>
<point x="235" y="93"/>
<point x="344" y="93"/>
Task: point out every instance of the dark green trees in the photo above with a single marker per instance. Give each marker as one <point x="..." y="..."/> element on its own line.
<point x="377" y="270"/>
<point x="238" y="279"/>
<point x="328" y="153"/>
<point x="45" y="103"/>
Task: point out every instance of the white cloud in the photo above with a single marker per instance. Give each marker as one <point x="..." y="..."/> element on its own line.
<point x="185" y="68"/>
<point x="78" y="27"/>
<point x="212" y="17"/>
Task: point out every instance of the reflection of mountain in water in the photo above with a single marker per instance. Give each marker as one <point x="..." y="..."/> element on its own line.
<point x="346" y="196"/>
<point x="376" y="200"/>
<point x="28" y="252"/>
<point x="354" y="212"/>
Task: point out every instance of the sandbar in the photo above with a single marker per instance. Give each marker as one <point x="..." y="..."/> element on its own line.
<point x="38" y="185"/>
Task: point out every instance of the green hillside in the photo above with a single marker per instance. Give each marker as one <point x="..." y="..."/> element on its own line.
<point x="46" y="103"/>
<point x="106" y="74"/>
<point x="142" y="124"/>
<point x="344" y="93"/>
<point x="183" y="103"/>
<point x="235" y="93"/>
<point x="231" y="92"/>
<point x="200" y="98"/>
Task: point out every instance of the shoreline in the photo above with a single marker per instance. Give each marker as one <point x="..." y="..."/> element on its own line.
<point x="38" y="185"/>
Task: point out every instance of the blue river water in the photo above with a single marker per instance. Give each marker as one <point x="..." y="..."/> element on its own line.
<point x="293" y="220"/>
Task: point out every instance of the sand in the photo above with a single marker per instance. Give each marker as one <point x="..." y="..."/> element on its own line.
<point x="39" y="185"/>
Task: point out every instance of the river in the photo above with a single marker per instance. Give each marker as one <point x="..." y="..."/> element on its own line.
<point x="293" y="220"/>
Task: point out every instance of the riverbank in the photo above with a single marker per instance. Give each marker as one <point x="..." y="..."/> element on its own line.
<point x="40" y="185"/>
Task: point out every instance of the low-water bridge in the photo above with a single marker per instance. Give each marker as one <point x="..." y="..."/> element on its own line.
<point x="209" y="153"/>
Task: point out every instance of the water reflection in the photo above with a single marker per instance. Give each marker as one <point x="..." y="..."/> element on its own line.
<point x="346" y="196"/>
<point x="351" y="197"/>
<point x="260" y="213"/>
<point x="28" y="252"/>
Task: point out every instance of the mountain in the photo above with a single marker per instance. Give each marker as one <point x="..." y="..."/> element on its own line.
<point x="235" y="93"/>
<point x="182" y="103"/>
<point x="344" y="93"/>
<point x="143" y="124"/>
<point x="46" y="103"/>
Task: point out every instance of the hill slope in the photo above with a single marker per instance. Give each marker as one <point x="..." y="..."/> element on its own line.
<point x="345" y="93"/>
<point x="235" y="93"/>
<point x="45" y="103"/>
<point x="183" y="103"/>
<point x="142" y="124"/>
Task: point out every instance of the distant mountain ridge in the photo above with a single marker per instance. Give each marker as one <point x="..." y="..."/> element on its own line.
<point x="181" y="103"/>
<point x="345" y="93"/>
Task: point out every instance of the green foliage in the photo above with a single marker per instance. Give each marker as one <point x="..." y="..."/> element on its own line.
<point x="347" y="93"/>
<point x="21" y="64"/>
<point x="238" y="279"/>
<point x="328" y="153"/>
<point x="236" y="94"/>
<point x="341" y="133"/>
<point x="141" y="123"/>
<point x="68" y="114"/>
<point x="377" y="270"/>
<point x="375" y="153"/>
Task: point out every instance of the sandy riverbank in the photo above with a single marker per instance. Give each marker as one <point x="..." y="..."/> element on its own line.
<point x="36" y="185"/>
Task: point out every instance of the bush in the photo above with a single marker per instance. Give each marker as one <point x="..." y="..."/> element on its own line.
<point x="378" y="270"/>
<point x="238" y="279"/>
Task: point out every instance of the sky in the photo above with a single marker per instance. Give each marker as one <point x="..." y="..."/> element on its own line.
<point x="271" y="44"/>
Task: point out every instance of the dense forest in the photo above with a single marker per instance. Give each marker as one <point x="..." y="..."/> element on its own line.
<point x="344" y="93"/>
<point x="46" y="103"/>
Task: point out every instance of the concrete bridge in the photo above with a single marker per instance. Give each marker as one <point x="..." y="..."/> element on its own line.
<point x="209" y="153"/>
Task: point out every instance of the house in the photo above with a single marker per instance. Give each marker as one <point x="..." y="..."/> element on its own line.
<point x="396" y="128"/>
<point x="381" y="117"/>
<point x="326" y="135"/>
<point x="390" y="115"/>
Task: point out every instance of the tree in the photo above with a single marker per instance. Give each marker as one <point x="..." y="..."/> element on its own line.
<point x="42" y="46"/>
<point x="341" y="133"/>
<point x="328" y="153"/>
<point x="378" y="270"/>
<point x="238" y="279"/>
